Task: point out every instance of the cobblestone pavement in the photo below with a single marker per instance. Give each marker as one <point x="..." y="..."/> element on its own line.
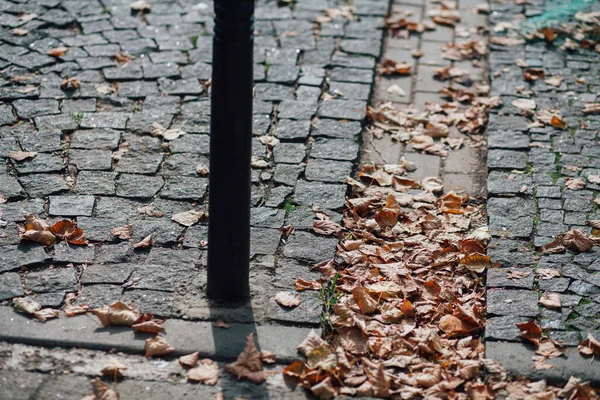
<point x="95" y="160"/>
<point x="528" y="201"/>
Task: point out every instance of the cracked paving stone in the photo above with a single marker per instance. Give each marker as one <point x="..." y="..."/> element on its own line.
<point x="309" y="247"/>
<point x="124" y="73"/>
<point x="21" y="255"/>
<point x="303" y="217"/>
<point x="298" y="110"/>
<point x="320" y="194"/>
<point x="41" y="185"/>
<point x="71" y="206"/>
<point x="51" y="280"/>
<point x="184" y="188"/>
<point x="513" y="216"/>
<point x="106" y="273"/>
<point x="96" y="182"/>
<point x="522" y="303"/>
<point x="10" y="286"/>
<point x="145" y="120"/>
<point x="109" y="207"/>
<point x="64" y="253"/>
<point x="184" y="164"/>
<point x="6" y="115"/>
<point x="139" y="186"/>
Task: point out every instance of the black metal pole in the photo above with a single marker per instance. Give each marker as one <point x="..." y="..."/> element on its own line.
<point x="230" y="151"/>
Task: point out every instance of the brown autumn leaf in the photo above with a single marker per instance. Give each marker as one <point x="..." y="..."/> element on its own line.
<point x="384" y="289"/>
<point x="590" y="346"/>
<point x="505" y="41"/>
<point x="123" y="57"/>
<point x="122" y="232"/>
<point x="21" y="155"/>
<point x="311" y="342"/>
<point x="152" y="326"/>
<point x="591" y="108"/>
<point x="268" y="357"/>
<point x="287" y="299"/>
<point x="102" y="391"/>
<point x="58" y="51"/>
<point x="71" y="310"/>
<point x="113" y="370"/>
<point x="140" y="5"/>
<point x="432" y="184"/>
<point x="391" y="67"/>
<point x="206" y="372"/>
<point x="70" y="84"/>
<point x="26" y="305"/>
<point x="387" y="217"/>
<point x="220" y="324"/>
<point x="577" y="240"/>
<point x="248" y="364"/>
<point x="454" y="326"/>
<point x="533" y="74"/>
<point x="303" y="284"/>
<point x="326" y="227"/>
<point x="45" y="238"/>
<point x="190" y="360"/>
<point x="118" y="313"/>
<point x="554" y="247"/>
<point x="555" y="81"/>
<point x="188" y="218"/>
<point x="558" y="122"/>
<point x="524" y="104"/>
<point x="144" y="243"/>
<point x="45" y="314"/>
<point x="476" y="262"/>
<point x="20" y="32"/>
<point x="157" y="347"/>
<point x="451" y="203"/>
<point x="575" y="389"/>
<point x="550" y="300"/>
<point x="531" y="331"/>
<point x="574" y="183"/>
<point x="35" y="223"/>
<point x="366" y="303"/>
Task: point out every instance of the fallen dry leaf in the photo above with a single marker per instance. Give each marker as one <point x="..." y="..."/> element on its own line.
<point x="476" y="262"/>
<point x="574" y="183"/>
<point x="144" y="243"/>
<point x="531" y="331"/>
<point x="21" y="155"/>
<point x="58" y="51"/>
<point x="157" y="347"/>
<point x="102" y="391"/>
<point x="590" y="346"/>
<point x="25" y="305"/>
<point x="20" y="32"/>
<point x="287" y="299"/>
<point x="43" y="237"/>
<point x="113" y="370"/>
<point x="152" y="326"/>
<point x="118" y="313"/>
<point x="524" y="104"/>
<point x="550" y="300"/>
<point x="220" y="324"/>
<point x="70" y="84"/>
<point x="140" y="5"/>
<point x="268" y="357"/>
<point x="248" y="364"/>
<point x="577" y="240"/>
<point x="122" y="232"/>
<point x="207" y="372"/>
<point x="190" y="360"/>
<point x="188" y="218"/>
<point x="391" y="67"/>
<point x="45" y="314"/>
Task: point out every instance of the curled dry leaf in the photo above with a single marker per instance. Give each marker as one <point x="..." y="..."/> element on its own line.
<point x="102" y="391"/>
<point x="288" y="299"/>
<point x="577" y="240"/>
<point x="70" y="84"/>
<point x="220" y="324"/>
<point x="432" y="184"/>
<point x="122" y="232"/>
<point x="391" y="67"/>
<point x="476" y="262"/>
<point x="43" y="237"/>
<point x="45" y="314"/>
<point x="248" y="364"/>
<point x="591" y="108"/>
<point x="113" y="370"/>
<point x="21" y="155"/>
<point x="58" y="51"/>
<point x="326" y="227"/>
<point x="590" y="346"/>
<point x="574" y="183"/>
<point x="268" y="357"/>
<point x="554" y="81"/>
<point x="524" y="104"/>
<point x="190" y="360"/>
<point x="157" y="347"/>
<point x="505" y="41"/>
<point x="118" y="313"/>
<point x="144" y="243"/>
<point x="207" y="372"/>
<point x="152" y="326"/>
<point x="188" y="218"/>
<point x="140" y="5"/>
<point x="20" y="32"/>
<point x="366" y="303"/>
<point x="303" y="284"/>
<point x="550" y="300"/>
<point x="387" y="217"/>
<point x="26" y="305"/>
<point x="71" y="310"/>
<point x="531" y="331"/>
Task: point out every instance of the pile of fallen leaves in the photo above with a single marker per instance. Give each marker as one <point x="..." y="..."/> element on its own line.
<point x="421" y="128"/>
<point x="40" y="231"/>
<point x="411" y="294"/>
<point x="408" y="307"/>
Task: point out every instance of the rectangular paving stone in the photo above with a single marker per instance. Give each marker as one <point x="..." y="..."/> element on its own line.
<point x="95" y="182"/>
<point x="320" y="194"/>
<point x="10" y="187"/>
<point x="184" y="188"/>
<point x="113" y="120"/>
<point x="96" y="139"/>
<point x="10" y="286"/>
<point x="343" y="109"/>
<point x="99" y="160"/>
<point x="138" y="163"/>
<point x="522" y="303"/>
<point x="334" y="149"/>
<point x="327" y="170"/>
<point x="51" y="280"/>
<point x="507" y="159"/>
<point x="71" y="206"/>
<point x="309" y="247"/>
<point x="511" y="216"/>
<point x="41" y="163"/>
<point x="336" y="129"/>
<point x="139" y="186"/>
<point x="40" y="185"/>
<point x="64" y="253"/>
